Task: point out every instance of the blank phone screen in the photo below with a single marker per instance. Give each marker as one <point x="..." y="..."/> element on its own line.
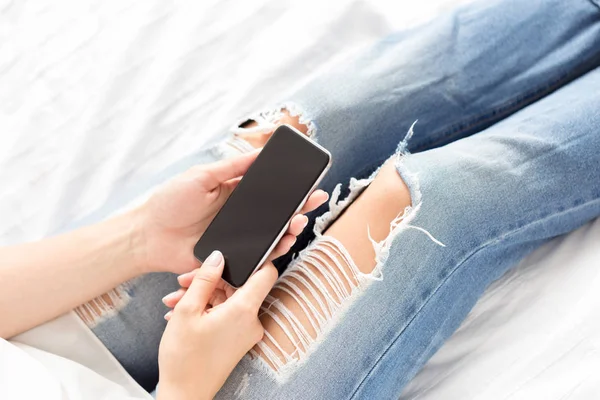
<point x="263" y="202"/>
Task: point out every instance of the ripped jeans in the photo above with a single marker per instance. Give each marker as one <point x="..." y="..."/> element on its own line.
<point x="504" y="157"/>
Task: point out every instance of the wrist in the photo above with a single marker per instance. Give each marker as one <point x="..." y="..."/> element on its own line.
<point x="133" y="224"/>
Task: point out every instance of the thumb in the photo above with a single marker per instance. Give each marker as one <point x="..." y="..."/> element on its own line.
<point x="204" y="283"/>
<point x="224" y="170"/>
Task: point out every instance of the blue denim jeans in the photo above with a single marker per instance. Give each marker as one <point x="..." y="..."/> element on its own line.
<point x="504" y="157"/>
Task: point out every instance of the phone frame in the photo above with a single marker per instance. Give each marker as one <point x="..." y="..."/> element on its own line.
<point x="302" y="203"/>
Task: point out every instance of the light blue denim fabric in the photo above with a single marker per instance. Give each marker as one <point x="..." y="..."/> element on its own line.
<point x="505" y="156"/>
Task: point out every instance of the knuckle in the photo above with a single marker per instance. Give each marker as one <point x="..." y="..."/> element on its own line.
<point x="258" y="332"/>
<point x="185" y="308"/>
<point x="202" y="176"/>
<point x="204" y="278"/>
<point x="197" y="173"/>
<point x="246" y="310"/>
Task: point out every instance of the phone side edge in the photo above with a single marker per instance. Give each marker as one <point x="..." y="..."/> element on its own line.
<point x="302" y="203"/>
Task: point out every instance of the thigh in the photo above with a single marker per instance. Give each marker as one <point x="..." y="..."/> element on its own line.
<point x="457" y="75"/>
<point x="490" y="199"/>
<point x="436" y="73"/>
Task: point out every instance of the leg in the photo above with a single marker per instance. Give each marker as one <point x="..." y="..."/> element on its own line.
<point x="360" y="111"/>
<point x="490" y="198"/>
<point x="457" y="75"/>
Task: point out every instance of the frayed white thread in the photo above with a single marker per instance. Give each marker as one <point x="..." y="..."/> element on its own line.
<point x="402" y="220"/>
<point x="398" y="224"/>
<point x="331" y="284"/>
<point x="402" y="148"/>
<point x="339" y="284"/>
<point x="232" y="147"/>
<point x="242" y="387"/>
<point x="429" y="235"/>
<point x="267" y="120"/>
<point x="240" y="145"/>
<point x="102" y="307"/>
<point x="336" y="206"/>
<point x="294" y="110"/>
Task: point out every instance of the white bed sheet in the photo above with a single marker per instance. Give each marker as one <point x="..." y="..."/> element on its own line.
<point x="98" y="96"/>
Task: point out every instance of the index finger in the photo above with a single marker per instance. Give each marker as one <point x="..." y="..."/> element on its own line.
<point x="204" y="283"/>
<point x="315" y="199"/>
<point x="257" y="287"/>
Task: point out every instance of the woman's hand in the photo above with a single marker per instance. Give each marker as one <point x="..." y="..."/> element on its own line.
<point x="202" y="344"/>
<point x="177" y="215"/>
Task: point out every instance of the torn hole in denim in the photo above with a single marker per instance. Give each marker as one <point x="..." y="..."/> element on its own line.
<point x="323" y="281"/>
<point x="319" y="284"/>
<point x="98" y="309"/>
<point x="261" y="123"/>
<point x="267" y="120"/>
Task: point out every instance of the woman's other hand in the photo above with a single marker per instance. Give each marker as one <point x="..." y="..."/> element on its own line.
<point x="202" y="344"/>
<point x="177" y="215"/>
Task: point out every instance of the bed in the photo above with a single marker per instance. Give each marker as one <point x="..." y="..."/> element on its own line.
<point x="102" y="100"/>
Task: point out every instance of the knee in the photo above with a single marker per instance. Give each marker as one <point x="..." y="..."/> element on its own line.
<point x="319" y="284"/>
<point x="307" y="298"/>
<point x="372" y="215"/>
<point x="389" y="185"/>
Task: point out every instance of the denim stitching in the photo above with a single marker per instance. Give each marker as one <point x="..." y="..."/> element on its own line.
<point x="458" y="266"/>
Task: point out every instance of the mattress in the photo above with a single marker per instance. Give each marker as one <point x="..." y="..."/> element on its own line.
<point x="100" y="101"/>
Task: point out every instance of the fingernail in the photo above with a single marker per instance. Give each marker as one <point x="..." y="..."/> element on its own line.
<point x="168" y="315"/>
<point x="168" y="297"/>
<point x="305" y="222"/>
<point x="213" y="260"/>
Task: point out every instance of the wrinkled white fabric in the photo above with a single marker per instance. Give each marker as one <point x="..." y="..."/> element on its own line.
<point x="535" y="334"/>
<point x="63" y="360"/>
<point x="96" y="96"/>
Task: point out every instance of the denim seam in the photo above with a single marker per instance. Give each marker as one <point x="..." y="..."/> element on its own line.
<point x="458" y="266"/>
<point x="596" y="3"/>
<point x="509" y="107"/>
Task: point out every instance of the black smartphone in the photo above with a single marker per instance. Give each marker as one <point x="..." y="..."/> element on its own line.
<point x="259" y="210"/>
